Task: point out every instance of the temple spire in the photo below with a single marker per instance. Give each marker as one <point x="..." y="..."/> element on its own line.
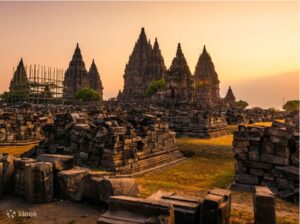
<point x="77" y="53"/>
<point x="94" y="79"/>
<point x="20" y="80"/>
<point x="229" y="98"/>
<point x="179" y="51"/>
<point x="179" y="64"/>
<point x="206" y="81"/>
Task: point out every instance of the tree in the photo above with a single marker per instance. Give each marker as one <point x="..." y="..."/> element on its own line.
<point x="154" y="86"/>
<point x="12" y="95"/>
<point x="291" y="105"/>
<point x="273" y="109"/>
<point x="241" y="103"/>
<point x="87" y="94"/>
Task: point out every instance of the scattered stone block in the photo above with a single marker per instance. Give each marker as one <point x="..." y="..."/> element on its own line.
<point x="124" y="209"/>
<point x="264" y="206"/>
<point x="216" y="207"/>
<point x="7" y="173"/>
<point x="19" y="178"/>
<point x="70" y="183"/>
<point x="59" y="162"/>
<point x="187" y="208"/>
<point x="247" y="179"/>
<point x="38" y="182"/>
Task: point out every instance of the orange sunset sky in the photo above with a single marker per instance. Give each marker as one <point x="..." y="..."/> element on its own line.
<point x="254" y="45"/>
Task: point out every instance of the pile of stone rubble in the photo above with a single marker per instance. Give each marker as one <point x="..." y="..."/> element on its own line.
<point x="268" y="156"/>
<point x="51" y="176"/>
<point x="115" y="143"/>
<point x="21" y="126"/>
<point x="196" y="123"/>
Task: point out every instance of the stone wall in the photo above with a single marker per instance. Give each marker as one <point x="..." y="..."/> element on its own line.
<point x="116" y="143"/>
<point x="17" y="126"/>
<point x="24" y="124"/>
<point x="268" y="156"/>
<point x="250" y="116"/>
<point x="195" y="123"/>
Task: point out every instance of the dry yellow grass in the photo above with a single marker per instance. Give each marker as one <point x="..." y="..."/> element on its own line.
<point x="15" y="150"/>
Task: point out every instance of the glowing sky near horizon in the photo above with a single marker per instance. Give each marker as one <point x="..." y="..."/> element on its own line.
<point x="254" y="45"/>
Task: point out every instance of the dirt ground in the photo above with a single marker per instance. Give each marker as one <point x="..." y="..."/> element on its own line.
<point x="59" y="212"/>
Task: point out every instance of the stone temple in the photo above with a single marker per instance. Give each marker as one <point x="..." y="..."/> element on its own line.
<point x="77" y="77"/>
<point x="94" y="79"/>
<point x="179" y="81"/>
<point x="145" y="65"/>
<point x="19" y="82"/>
<point x="207" y="91"/>
<point x="229" y="98"/>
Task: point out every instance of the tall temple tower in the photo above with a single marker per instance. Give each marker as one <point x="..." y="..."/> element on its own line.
<point x="156" y="68"/>
<point x="145" y="65"/>
<point x="95" y="80"/>
<point x="76" y="76"/>
<point x="179" y="80"/>
<point x="19" y="82"/>
<point x="207" y="91"/>
<point x="229" y="98"/>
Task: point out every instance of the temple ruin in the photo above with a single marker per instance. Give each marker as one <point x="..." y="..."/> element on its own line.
<point x="77" y="77"/>
<point x="145" y="65"/>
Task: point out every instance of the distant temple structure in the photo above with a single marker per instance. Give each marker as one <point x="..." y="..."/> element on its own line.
<point x="19" y="82"/>
<point x="76" y="76"/>
<point x="207" y="91"/>
<point x="229" y="98"/>
<point x="94" y="79"/>
<point x="145" y="65"/>
<point x="179" y="81"/>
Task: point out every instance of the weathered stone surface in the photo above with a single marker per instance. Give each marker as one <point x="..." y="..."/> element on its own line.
<point x="70" y="183"/>
<point x="100" y="189"/>
<point x="19" y="177"/>
<point x="127" y="143"/>
<point x="59" y="162"/>
<point x="124" y="209"/>
<point x="7" y="172"/>
<point x="270" y="159"/>
<point x="216" y="207"/>
<point x="247" y="179"/>
<point x="187" y="208"/>
<point x="275" y="159"/>
<point x="118" y="186"/>
<point x="38" y="179"/>
<point x="264" y="206"/>
<point x="289" y="172"/>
